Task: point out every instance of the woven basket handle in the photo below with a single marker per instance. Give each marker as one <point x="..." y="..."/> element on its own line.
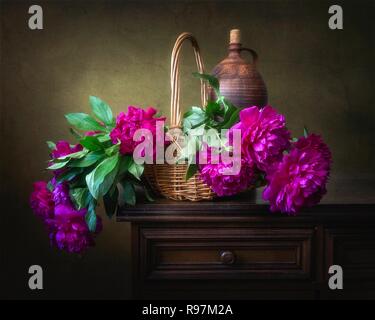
<point x="175" y="81"/>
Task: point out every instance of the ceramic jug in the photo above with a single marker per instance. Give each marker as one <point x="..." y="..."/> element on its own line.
<point x="240" y="81"/>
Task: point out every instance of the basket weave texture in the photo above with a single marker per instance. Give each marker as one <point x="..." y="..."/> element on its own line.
<point x="169" y="179"/>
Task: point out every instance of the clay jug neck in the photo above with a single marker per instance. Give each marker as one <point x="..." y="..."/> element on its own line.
<point x="234" y="50"/>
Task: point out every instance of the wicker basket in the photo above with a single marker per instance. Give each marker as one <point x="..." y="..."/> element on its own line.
<point x="167" y="179"/>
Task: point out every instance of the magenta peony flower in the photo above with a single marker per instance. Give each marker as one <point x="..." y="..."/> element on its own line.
<point x="66" y="225"/>
<point x="127" y="124"/>
<point x="63" y="148"/>
<point x="41" y="200"/>
<point x="300" y="178"/>
<point x="264" y="136"/>
<point x="226" y="185"/>
<point x="61" y="194"/>
<point x="91" y="133"/>
<point x="314" y="142"/>
<point x="68" y="229"/>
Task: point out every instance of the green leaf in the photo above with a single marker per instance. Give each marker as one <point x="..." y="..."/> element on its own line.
<point x="188" y="113"/>
<point x="102" y="110"/>
<point x="91" y="143"/>
<point x="146" y="189"/>
<point x="50" y="186"/>
<point x="101" y="178"/>
<point x="200" y="124"/>
<point x="305" y="132"/>
<point x="69" y="175"/>
<point x="75" y="134"/>
<point x="193" y="118"/>
<point x="112" y="150"/>
<point x="51" y="145"/>
<point x="213" y="109"/>
<point x="136" y="170"/>
<point x="125" y="163"/>
<point x="233" y="118"/>
<point x="158" y="114"/>
<point x="147" y="194"/>
<point x="91" y="216"/>
<point x="58" y="165"/>
<point x="194" y="111"/>
<point x="79" y="180"/>
<point x="108" y="181"/>
<point x="75" y="155"/>
<point x="83" y="121"/>
<point x="212" y="81"/>
<point x="88" y="160"/>
<point x="128" y="192"/>
<point x="80" y="197"/>
<point x="191" y="170"/>
<point x="110" y="202"/>
<point x="103" y="137"/>
<point x="228" y="106"/>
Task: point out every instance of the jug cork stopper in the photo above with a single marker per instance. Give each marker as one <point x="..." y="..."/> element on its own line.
<point x="235" y="36"/>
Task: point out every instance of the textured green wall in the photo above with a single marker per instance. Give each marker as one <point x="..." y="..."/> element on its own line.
<point x="120" y="52"/>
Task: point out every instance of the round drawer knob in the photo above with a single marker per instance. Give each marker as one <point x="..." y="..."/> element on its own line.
<point x="227" y="257"/>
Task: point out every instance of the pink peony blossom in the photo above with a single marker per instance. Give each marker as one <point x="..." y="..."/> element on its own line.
<point x="41" y="200"/>
<point x="63" y="148"/>
<point x="68" y="229"/>
<point x="224" y="184"/>
<point x="91" y="133"/>
<point x="264" y="136"/>
<point x="66" y="225"/>
<point x="127" y="124"/>
<point x="300" y="178"/>
<point x="61" y="194"/>
<point x="314" y="142"/>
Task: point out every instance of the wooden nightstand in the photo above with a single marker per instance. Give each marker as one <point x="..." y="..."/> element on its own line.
<point x="236" y="248"/>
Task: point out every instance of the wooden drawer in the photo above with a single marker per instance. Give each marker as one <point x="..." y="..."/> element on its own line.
<point x="225" y="253"/>
<point x="354" y="250"/>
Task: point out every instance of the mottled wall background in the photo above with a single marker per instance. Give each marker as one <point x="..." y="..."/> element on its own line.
<point x="120" y="52"/>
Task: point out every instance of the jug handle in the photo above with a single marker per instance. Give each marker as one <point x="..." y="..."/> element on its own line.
<point x="253" y="54"/>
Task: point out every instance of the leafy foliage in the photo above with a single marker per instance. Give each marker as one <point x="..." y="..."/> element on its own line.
<point x="83" y="121"/>
<point x="80" y="197"/>
<point x="219" y="114"/>
<point x="101" y="178"/>
<point x="102" y="111"/>
<point x="90" y="159"/>
<point x="136" y="170"/>
<point x="51" y="145"/>
<point x="110" y="201"/>
<point x="99" y="170"/>
<point x="91" y="215"/>
<point x="128" y="192"/>
<point x="91" y="143"/>
<point x="192" y="169"/>
<point x="305" y="132"/>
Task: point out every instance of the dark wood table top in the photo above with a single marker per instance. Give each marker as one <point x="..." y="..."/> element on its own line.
<point x="246" y="206"/>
